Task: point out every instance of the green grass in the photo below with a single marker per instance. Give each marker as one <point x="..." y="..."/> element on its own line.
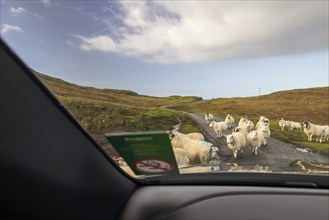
<point x="297" y="138"/>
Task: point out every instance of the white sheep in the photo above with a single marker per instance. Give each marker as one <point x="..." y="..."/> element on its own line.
<point x="219" y="127"/>
<point x="314" y="130"/>
<point x="246" y="124"/>
<point x="255" y="139"/>
<point x="262" y="121"/>
<point x="236" y="142"/>
<point x="197" y="151"/>
<point x="209" y="117"/>
<point x="250" y="125"/>
<point x="242" y="130"/>
<point x="295" y="126"/>
<point x="181" y="157"/>
<point x="265" y="131"/>
<point x="229" y="120"/>
<point x="195" y="136"/>
<point x="242" y="121"/>
<point x="284" y="124"/>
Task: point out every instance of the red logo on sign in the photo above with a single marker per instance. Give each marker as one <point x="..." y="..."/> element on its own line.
<point x="153" y="166"/>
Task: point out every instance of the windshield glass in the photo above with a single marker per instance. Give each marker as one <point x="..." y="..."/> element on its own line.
<point x="186" y="86"/>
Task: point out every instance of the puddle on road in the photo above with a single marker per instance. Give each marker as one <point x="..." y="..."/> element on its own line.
<point x="303" y="150"/>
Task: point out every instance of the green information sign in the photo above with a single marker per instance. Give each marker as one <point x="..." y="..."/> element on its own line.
<point x="145" y="152"/>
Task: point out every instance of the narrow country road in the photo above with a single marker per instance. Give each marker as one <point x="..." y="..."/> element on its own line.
<point x="275" y="155"/>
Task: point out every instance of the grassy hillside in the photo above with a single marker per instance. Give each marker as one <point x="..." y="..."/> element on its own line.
<point x="298" y="105"/>
<point x="107" y="110"/>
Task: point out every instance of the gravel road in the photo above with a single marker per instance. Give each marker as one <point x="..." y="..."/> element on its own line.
<point x="275" y="155"/>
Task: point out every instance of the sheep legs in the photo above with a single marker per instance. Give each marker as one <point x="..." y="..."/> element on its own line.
<point x="254" y="150"/>
<point x="310" y="137"/>
<point x="235" y="153"/>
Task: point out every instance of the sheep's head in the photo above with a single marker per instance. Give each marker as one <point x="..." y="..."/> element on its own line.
<point x="280" y="119"/>
<point x="266" y="122"/>
<point x="213" y="152"/>
<point x="211" y="124"/>
<point x="243" y="119"/>
<point x="254" y="135"/>
<point x="238" y="129"/>
<point x="248" y="123"/>
<point x="229" y="139"/>
<point x="306" y="124"/>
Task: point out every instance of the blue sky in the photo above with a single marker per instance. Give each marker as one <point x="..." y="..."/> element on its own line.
<point x="209" y="49"/>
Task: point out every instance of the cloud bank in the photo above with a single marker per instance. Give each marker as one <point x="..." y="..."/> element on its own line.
<point x="9" y="28"/>
<point x="197" y="31"/>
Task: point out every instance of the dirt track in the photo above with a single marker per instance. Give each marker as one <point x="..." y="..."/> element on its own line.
<point x="276" y="155"/>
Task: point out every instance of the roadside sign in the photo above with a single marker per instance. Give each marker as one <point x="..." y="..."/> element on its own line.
<point x="145" y="152"/>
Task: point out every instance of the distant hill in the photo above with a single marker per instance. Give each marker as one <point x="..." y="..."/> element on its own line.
<point x="299" y="104"/>
<point x="126" y="97"/>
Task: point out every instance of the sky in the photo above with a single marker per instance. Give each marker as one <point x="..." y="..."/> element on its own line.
<point x="202" y="48"/>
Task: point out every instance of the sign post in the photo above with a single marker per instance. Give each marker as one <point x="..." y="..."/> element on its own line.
<point x="145" y="152"/>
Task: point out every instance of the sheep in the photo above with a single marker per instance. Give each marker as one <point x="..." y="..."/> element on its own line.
<point x="246" y="124"/>
<point x="241" y="130"/>
<point x="181" y="157"/>
<point x="295" y="126"/>
<point x="262" y="121"/>
<point x="197" y="151"/>
<point x="284" y="124"/>
<point x="314" y="130"/>
<point x="236" y="142"/>
<point x="195" y="136"/>
<point x="209" y="117"/>
<point x="242" y="121"/>
<point x="251" y="125"/>
<point x="255" y="139"/>
<point x="214" y="158"/>
<point x="265" y="131"/>
<point x="229" y="120"/>
<point x="219" y="127"/>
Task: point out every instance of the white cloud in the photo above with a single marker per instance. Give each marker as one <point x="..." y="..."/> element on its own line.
<point x="46" y="2"/>
<point x="8" y="28"/>
<point x="186" y="31"/>
<point x="17" y="11"/>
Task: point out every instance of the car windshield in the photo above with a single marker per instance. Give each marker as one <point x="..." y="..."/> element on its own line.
<point x="180" y="87"/>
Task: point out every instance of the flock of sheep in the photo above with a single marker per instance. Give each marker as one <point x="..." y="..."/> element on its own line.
<point x="193" y="149"/>
<point x="245" y="133"/>
<point x="320" y="132"/>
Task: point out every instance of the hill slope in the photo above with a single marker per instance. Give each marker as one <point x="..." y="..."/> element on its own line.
<point x="298" y="105"/>
<point x="102" y="111"/>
